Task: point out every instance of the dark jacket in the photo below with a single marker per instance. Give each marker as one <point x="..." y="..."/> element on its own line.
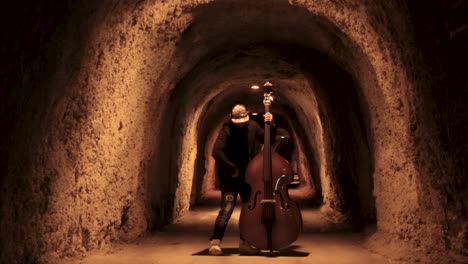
<point x="236" y="146"/>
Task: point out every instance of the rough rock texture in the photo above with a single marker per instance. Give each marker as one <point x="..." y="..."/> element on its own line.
<point x="108" y="109"/>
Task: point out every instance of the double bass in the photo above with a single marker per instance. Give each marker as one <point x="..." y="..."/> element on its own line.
<point x="269" y="220"/>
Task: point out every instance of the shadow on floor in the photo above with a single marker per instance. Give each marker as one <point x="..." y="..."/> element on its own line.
<point x="287" y="252"/>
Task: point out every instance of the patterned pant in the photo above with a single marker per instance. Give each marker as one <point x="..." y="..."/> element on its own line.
<point x="228" y="203"/>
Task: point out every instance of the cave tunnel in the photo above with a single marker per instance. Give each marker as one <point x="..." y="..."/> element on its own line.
<point x="110" y="109"/>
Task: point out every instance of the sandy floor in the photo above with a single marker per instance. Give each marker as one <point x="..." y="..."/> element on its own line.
<point x="187" y="240"/>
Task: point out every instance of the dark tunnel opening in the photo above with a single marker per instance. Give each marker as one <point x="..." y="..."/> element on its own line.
<point x="285" y="146"/>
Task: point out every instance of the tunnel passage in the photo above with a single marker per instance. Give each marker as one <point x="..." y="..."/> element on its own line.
<point x="317" y="101"/>
<point x="225" y="57"/>
<point x="96" y="153"/>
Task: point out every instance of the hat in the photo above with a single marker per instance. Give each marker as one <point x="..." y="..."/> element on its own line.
<point x="239" y="114"/>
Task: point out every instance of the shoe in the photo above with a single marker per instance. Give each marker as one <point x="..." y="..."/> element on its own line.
<point x="246" y="249"/>
<point x="215" y="248"/>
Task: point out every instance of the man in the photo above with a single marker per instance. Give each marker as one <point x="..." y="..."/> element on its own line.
<point x="233" y="149"/>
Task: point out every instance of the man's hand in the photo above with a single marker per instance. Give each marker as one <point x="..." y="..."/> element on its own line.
<point x="236" y="173"/>
<point x="268" y="117"/>
<point x="233" y="171"/>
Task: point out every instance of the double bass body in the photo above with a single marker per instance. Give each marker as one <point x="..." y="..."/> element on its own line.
<point x="287" y="223"/>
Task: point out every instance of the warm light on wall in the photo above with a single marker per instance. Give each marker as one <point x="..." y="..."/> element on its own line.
<point x="255" y="87"/>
